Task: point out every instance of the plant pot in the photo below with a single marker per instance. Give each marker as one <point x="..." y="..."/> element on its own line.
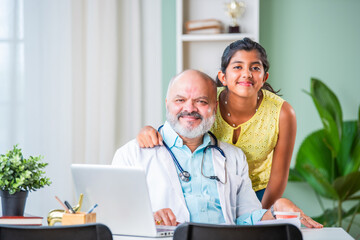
<point x="13" y="204"/>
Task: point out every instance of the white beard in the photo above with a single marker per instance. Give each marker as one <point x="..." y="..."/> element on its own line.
<point x="189" y="131"/>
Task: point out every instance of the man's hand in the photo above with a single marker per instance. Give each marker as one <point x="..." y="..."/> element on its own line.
<point x="148" y="137"/>
<point x="165" y="217"/>
<point x="285" y="205"/>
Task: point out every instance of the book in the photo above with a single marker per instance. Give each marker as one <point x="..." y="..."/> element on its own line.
<point x="21" y="220"/>
<point x="206" y="31"/>
<point x="205" y="26"/>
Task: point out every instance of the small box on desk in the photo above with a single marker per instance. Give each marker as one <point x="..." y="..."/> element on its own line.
<point x="78" y="218"/>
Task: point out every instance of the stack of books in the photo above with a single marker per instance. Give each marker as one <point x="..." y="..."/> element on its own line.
<point x="21" y="220"/>
<point x="207" y="26"/>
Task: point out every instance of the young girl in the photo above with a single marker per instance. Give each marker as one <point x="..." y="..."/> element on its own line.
<point x="252" y="117"/>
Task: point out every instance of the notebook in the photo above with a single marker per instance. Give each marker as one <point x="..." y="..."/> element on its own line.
<point x="122" y="197"/>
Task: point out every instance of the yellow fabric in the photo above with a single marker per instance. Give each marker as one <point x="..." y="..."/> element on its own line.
<point x="258" y="136"/>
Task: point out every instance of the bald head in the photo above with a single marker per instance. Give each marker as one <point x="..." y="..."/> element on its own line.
<point x="197" y="76"/>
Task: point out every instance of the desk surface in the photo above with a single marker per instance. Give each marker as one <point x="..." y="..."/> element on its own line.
<point x="308" y="234"/>
<point x="325" y="233"/>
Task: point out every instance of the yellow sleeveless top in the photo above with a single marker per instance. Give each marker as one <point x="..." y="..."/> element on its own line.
<point x="258" y="136"/>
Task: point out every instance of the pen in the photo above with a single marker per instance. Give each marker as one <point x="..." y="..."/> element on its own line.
<point x="92" y="209"/>
<point x="69" y="206"/>
<point x="63" y="205"/>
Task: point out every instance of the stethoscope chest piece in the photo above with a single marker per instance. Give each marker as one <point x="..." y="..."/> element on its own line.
<point x="184" y="176"/>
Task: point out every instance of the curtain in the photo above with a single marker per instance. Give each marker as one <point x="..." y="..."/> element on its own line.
<point x="92" y="78"/>
<point x="48" y="97"/>
<point x="139" y="91"/>
<point x="70" y="88"/>
<point x="94" y="69"/>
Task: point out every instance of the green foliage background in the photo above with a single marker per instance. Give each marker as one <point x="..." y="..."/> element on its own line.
<point x="329" y="159"/>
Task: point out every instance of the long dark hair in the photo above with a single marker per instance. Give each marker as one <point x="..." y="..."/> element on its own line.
<point x="248" y="45"/>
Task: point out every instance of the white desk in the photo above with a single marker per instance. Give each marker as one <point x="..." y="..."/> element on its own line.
<point x="325" y="233"/>
<point x="308" y="234"/>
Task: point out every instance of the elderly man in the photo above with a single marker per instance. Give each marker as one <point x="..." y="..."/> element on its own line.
<point x="192" y="177"/>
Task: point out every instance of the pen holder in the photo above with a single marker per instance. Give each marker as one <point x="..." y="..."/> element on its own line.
<point x="78" y="218"/>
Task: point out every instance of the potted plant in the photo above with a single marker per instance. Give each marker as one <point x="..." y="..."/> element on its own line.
<point x="18" y="176"/>
<point x="329" y="159"/>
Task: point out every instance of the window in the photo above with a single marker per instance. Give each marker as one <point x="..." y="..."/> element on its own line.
<point x="11" y="72"/>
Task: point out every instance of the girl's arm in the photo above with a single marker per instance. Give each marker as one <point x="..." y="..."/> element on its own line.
<point x="148" y="137"/>
<point x="282" y="156"/>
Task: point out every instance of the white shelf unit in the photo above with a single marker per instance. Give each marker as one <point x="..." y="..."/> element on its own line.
<point x="203" y="51"/>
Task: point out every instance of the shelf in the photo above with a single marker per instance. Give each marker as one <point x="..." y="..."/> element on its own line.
<point x="214" y="37"/>
<point x="204" y="51"/>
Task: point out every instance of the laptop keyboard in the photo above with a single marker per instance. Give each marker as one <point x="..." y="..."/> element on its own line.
<point x="165" y="230"/>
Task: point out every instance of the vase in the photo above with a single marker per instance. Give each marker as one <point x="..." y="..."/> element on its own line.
<point x="13" y="204"/>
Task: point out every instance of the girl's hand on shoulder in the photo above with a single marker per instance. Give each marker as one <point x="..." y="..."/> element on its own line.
<point x="148" y="137"/>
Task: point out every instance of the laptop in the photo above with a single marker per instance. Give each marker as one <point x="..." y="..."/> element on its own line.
<point x="122" y="197"/>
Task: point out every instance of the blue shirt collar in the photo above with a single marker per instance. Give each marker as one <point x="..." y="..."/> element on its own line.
<point x="172" y="139"/>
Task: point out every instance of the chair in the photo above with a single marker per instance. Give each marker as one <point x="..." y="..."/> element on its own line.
<point x="197" y="231"/>
<point x="79" y="232"/>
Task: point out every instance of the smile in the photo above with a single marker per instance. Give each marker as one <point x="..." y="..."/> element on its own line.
<point x="247" y="84"/>
<point x="191" y="118"/>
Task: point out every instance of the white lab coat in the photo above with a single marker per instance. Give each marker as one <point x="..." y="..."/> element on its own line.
<point x="236" y="196"/>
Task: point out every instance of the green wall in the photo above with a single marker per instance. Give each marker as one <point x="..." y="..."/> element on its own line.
<point x="168" y="39"/>
<point x="312" y="38"/>
<point x="304" y="39"/>
<point x="307" y="39"/>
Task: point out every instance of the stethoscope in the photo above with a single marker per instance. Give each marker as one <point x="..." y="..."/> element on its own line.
<point x="185" y="175"/>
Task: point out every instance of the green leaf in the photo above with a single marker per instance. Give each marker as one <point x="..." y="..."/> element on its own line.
<point x="347" y="185"/>
<point x="328" y="218"/>
<point x="359" y="120"/>
<point x="330" y="112"/>
<point x="354" y="198"/>
<point x="295" y="176"/>
<point x="355" y="151"/>
<point x="316" y="179"/>
<point x="332" y="138"/>
<point x="351" y="211"/>
<point x="314" y="163"/>
<point x="328" y="100"/>
<point x="313" y="151"/>
<point x="348" y="159"/>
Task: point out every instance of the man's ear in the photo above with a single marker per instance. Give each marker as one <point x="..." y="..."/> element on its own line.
<point x="221" y="77"/>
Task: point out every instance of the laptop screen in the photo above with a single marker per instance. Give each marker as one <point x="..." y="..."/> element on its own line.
<point x="121" y="194"/>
